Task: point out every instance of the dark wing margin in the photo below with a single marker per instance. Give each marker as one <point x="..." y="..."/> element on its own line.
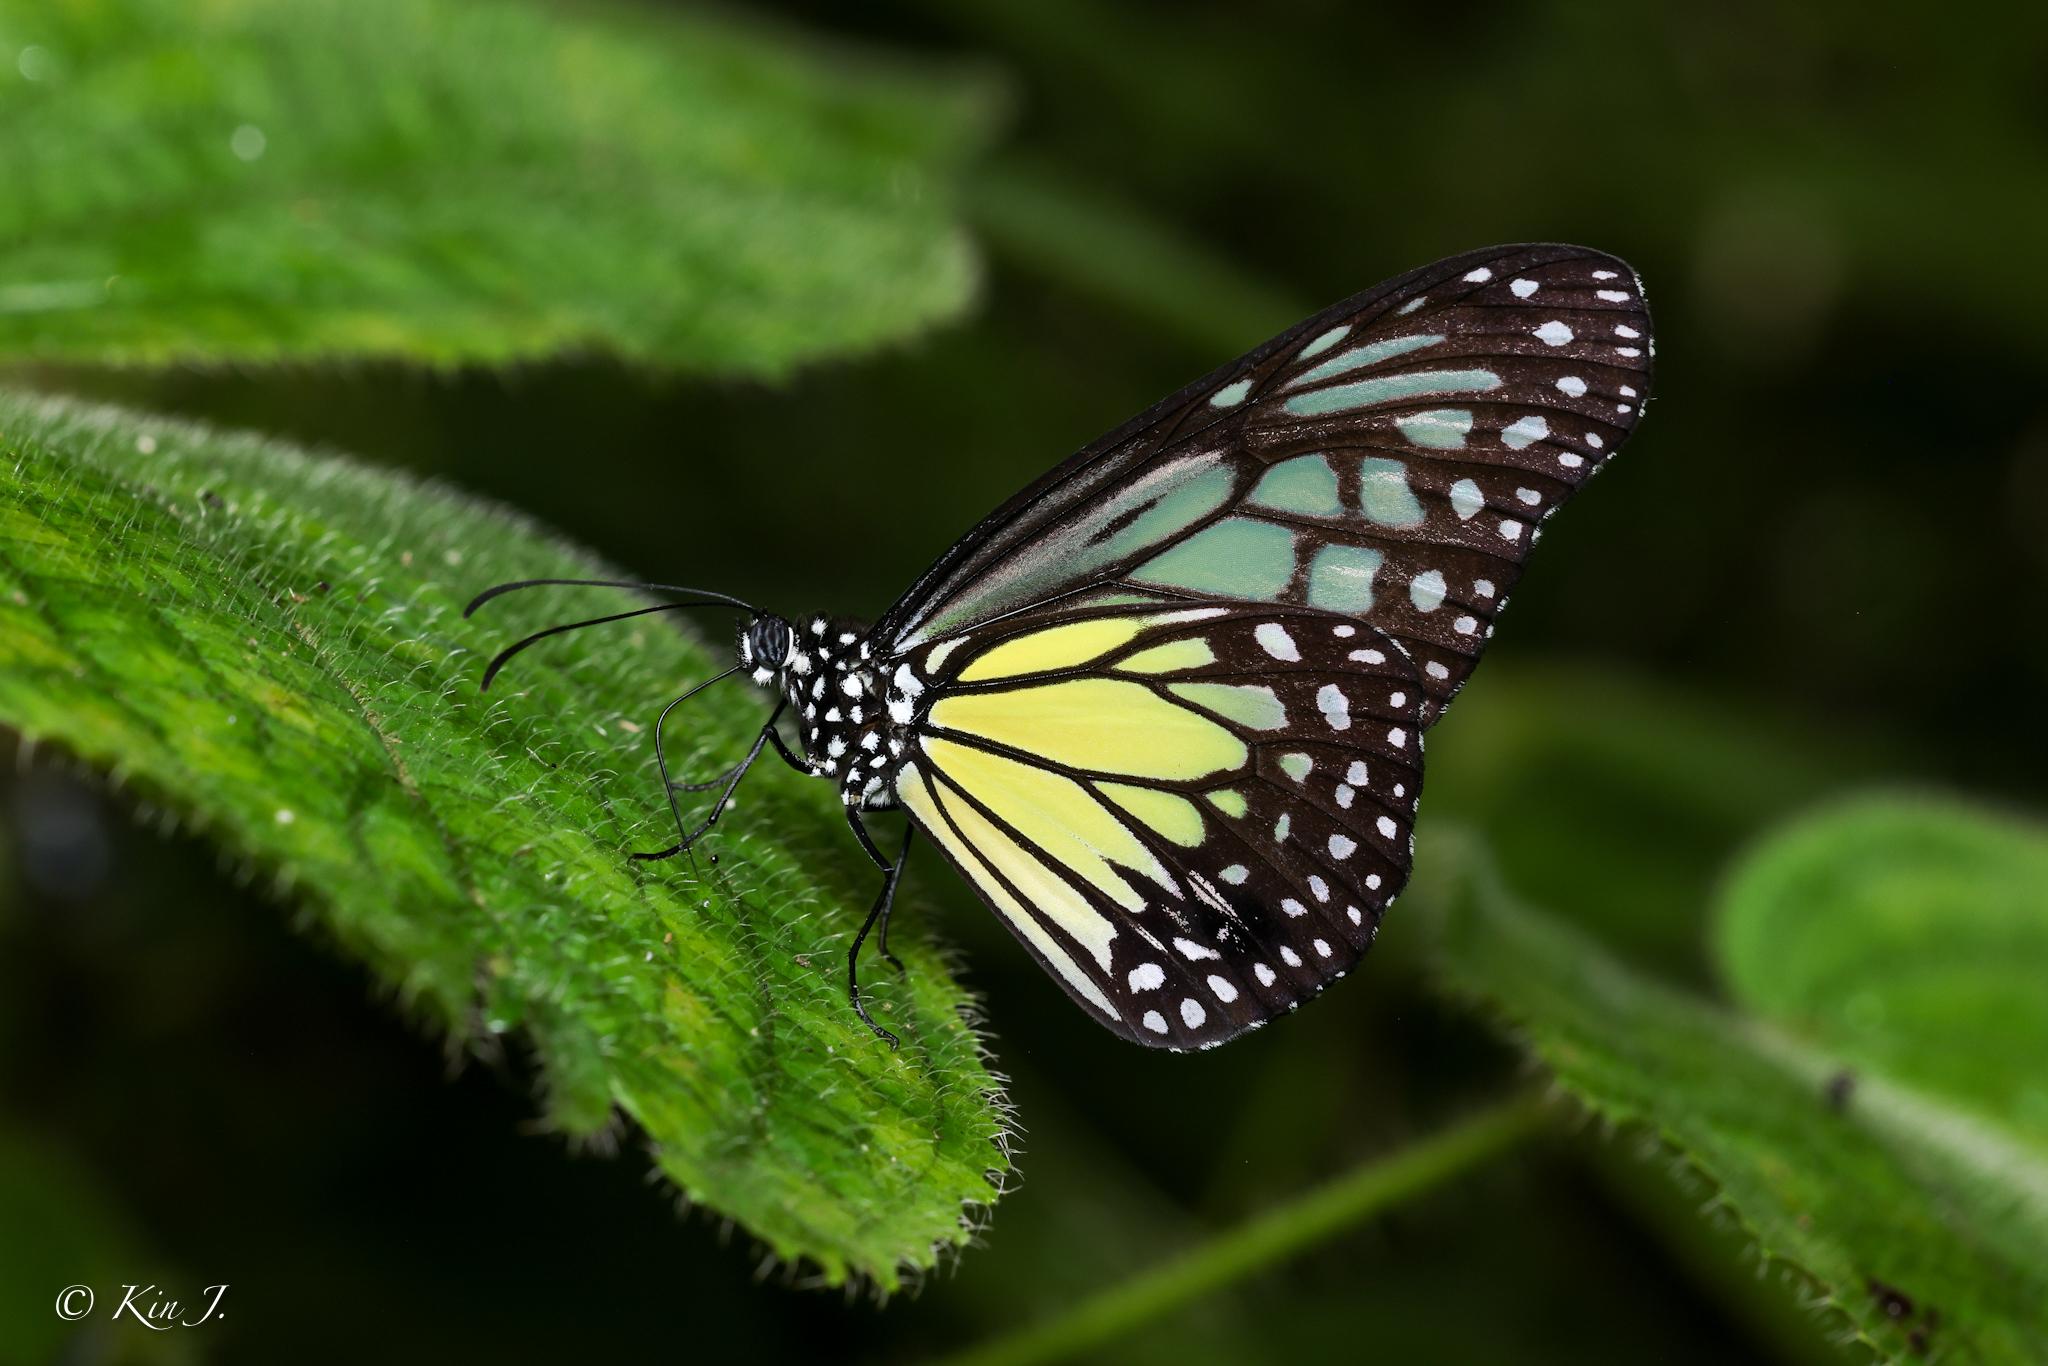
<point x="1391" y="459"/>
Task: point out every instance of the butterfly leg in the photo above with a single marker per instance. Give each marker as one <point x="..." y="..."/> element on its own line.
<point x="707" y="784"/>
<point x="789" y="756"/>
<point x="867" y="842"/>
<point x="892" y="872"/>
<point x="731" y="781"/>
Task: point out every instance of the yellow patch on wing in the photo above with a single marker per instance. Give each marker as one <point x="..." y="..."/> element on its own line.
<point x="976" y="846"/>
<point x="1055" y="813"/>
<point x="1103" y="725"/>
<point x="1056" y="647"/>
<point x="1229" y="802"/>
<point x="1190" y="653"/>
<point x="1174" y="818"/>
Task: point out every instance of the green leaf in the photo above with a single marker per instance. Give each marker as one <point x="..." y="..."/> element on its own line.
<point x="457" y="183"/>
<point x="1925" y="1231"/>
<point x="270" y="646"/>
<point x="1909" y="937"/>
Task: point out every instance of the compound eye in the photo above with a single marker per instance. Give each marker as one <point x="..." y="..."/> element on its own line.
<point x="771" y="642"/>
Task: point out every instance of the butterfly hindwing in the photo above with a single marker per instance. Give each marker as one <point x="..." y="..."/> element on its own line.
<point x="1194" y="818"/>
<point x="1391" y="459"/>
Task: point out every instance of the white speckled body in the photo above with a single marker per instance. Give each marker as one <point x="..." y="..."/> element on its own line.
<point x="853" y="725"/>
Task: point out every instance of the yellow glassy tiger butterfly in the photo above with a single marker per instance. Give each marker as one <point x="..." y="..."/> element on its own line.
<point x="1164" y="709"/>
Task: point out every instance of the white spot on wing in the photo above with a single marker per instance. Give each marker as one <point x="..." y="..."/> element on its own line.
<point x="1466" y="499"/>
<point x="1523" y="431"/>
<point x="1426" y="590"/>
<point x="1335" y="706"/>
<point x="1275" y="641"/>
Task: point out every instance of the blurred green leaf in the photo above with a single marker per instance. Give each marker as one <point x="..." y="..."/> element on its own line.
<point x="1569" y="769"/>
<point x="269" y="646"/>
<point x="1926" y="1231"/>
<point x="1070" y="232"/>
<point x="1906" y="936"/>
<point x="456" y="183"/>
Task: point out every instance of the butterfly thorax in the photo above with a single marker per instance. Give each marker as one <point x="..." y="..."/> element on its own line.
<point x="851" y="724"/>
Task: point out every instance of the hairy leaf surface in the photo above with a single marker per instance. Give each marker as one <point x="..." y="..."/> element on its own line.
<point x="269" y="645"/>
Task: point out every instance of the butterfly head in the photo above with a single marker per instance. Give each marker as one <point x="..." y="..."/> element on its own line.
<point x="767" y="647"/>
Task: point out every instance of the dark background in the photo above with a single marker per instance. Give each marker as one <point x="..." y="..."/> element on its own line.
<point x="1825" y="545"/>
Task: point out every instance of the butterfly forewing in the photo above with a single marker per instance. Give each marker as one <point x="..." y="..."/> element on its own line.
<point x="1391" y="460"/>
<point x="1193" y="817"/>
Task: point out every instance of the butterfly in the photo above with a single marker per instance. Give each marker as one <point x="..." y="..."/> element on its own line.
<point x="1164" y="709"/>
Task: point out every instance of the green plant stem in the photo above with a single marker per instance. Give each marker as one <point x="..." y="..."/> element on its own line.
<point x="1269" y="1239"/>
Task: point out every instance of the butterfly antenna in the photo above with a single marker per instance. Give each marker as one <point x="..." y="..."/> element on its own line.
<point x="504" y="656"/>
<point x="709" y="595"/>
